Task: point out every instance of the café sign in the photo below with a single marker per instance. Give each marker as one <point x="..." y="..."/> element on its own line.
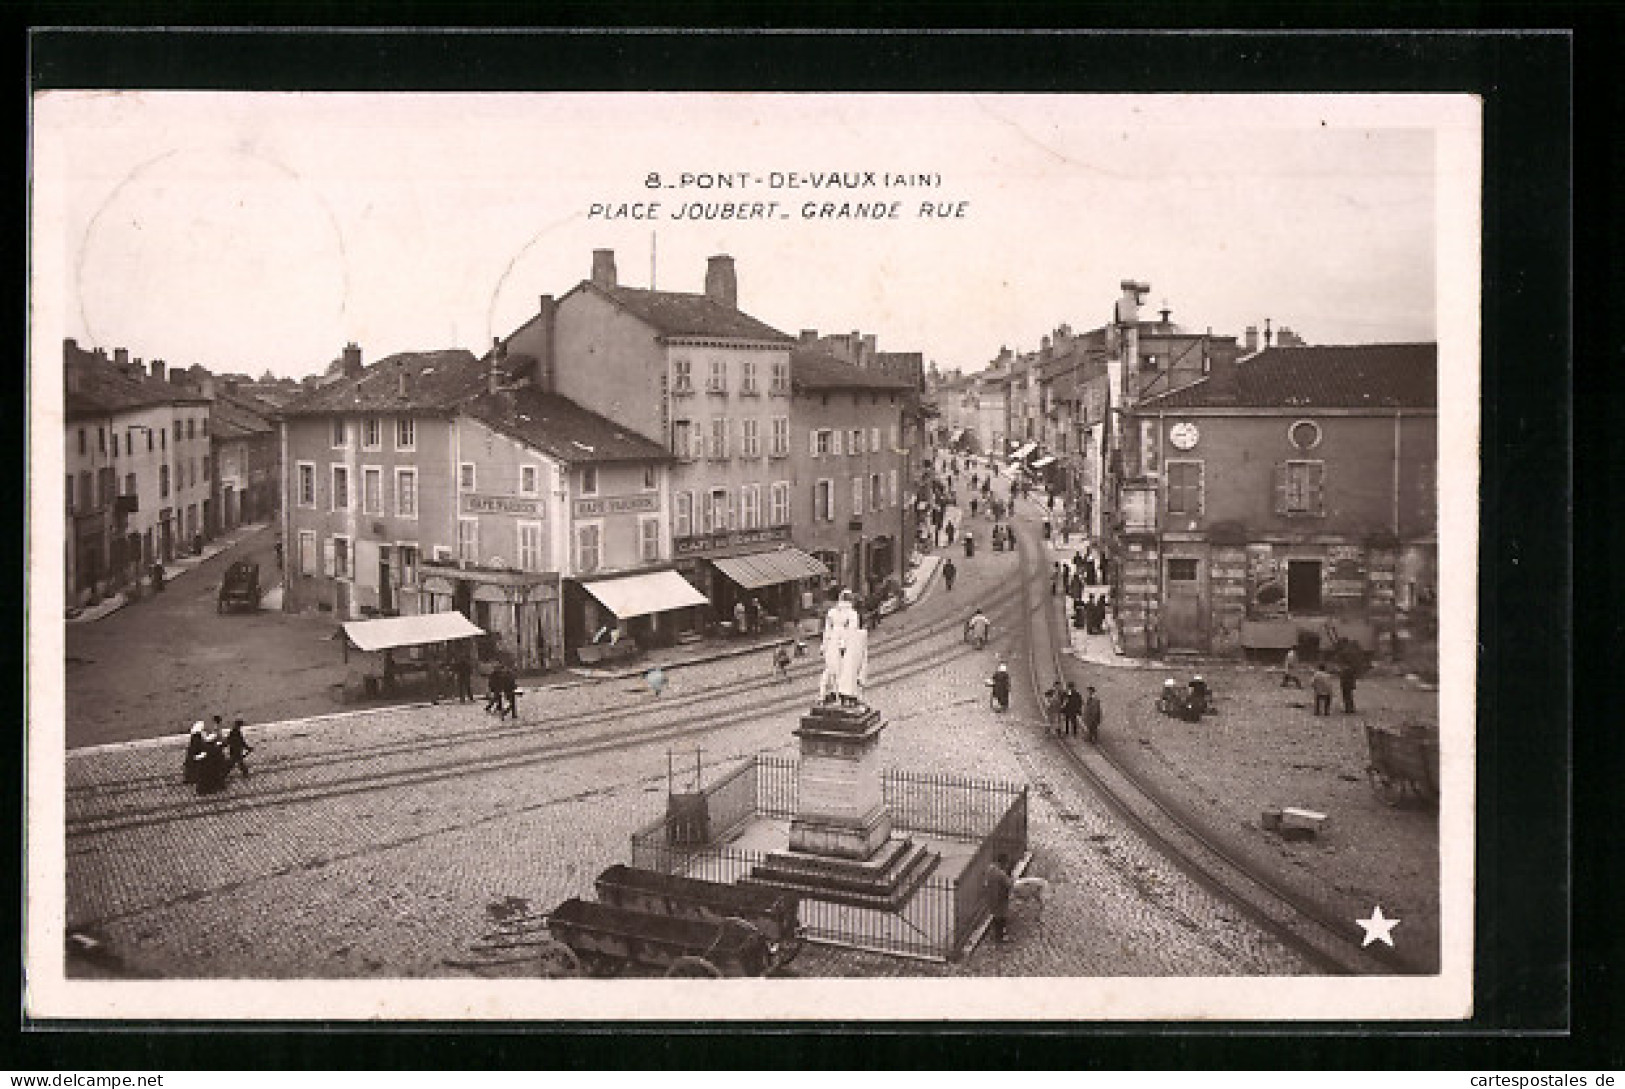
<point x="618" y="504"/>
<point x="710" y="542"/>
<point x="502" y="504"/>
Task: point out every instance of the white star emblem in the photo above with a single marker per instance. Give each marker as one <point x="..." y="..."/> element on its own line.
<point x="1377" y="928"/>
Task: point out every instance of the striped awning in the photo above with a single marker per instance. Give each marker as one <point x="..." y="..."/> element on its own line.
<point x="769" y="568"/>
<point x="1043" y="461"/>
<point x="1023" y="451"/>
<point x="640" y="595"/>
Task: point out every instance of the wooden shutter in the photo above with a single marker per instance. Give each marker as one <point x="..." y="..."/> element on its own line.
<point x="1280" y="487"/>
<point x="835" y="441"/>
<point x="812" y="436"/>
<point x="1316" y="488"/>
<point x="327" y="556"/>
<point x="1201" y="488"/>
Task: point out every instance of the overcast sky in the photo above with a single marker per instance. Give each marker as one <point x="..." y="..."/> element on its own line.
<point x="254" y="231"/>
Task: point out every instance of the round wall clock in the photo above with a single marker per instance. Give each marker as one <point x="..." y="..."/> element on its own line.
<point x="1184" y="435"/>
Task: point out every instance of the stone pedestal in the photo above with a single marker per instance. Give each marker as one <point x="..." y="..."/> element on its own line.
<point x="841" y="843"/>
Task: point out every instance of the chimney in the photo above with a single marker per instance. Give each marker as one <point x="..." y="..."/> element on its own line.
<point x="603" y="268"/>
<point x="1165" y="312"/>
<point x="719" y="281"/>
<point x="1268" y="335"/>
<point x="121" y="360"/>
<point x="1250" y="340"/>
<point x="493" y="377"/>
<point x="352" y="360"/>
<point x="1128" y="307"/>
<point x="543" y="378"/>
<point x="158" y="369"/>
<point x="69" y="345"/>
<point x="809" y="336"/>
<point x="206" y="385"/>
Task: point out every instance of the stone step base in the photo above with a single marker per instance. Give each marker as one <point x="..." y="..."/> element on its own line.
<point x="884" y="882"/>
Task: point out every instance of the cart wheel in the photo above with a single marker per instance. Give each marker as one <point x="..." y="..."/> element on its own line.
<point x="692" y="968"/>
<point x="555" y="960"/>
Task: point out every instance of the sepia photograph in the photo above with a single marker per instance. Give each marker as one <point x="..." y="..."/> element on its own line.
<point x="750" y="556"/>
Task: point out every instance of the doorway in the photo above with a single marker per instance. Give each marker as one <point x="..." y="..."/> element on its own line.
<point x="1182" y="612"/>
<point x="1303" y="586"/>
<point x="386" y="588"/>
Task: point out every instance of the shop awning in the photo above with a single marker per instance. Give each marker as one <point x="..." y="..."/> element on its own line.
<point x="1022" y="451"/>
<point x="1043" y="461"/>
<point x="758" y="569"/>
<point x="640" y="595"/>
<point x="409" y="631"/>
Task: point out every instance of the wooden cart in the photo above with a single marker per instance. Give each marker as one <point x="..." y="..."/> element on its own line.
<point x="1404" y="763"/>
<point x="606" y="940"/>
<point x="773" y="912"/>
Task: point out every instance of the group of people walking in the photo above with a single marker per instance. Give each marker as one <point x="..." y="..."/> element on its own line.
<point x="1068" y="710"/>
<point x="1320" y="682"/>
<point x="212" y="752"/>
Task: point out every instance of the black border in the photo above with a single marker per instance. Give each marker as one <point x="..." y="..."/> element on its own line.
<point x="1524" y="877"/>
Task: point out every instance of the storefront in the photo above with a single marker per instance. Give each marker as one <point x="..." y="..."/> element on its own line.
<point x="776" y="578"/>
<point x="518" y="609"/>
<point x="649" y="608"/>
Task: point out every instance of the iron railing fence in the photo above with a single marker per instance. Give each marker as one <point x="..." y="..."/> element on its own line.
<point x="925" y="926"/>
<point x="940" y="916"/>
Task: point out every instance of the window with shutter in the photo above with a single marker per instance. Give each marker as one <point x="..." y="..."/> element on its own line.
<point x="1300" y="488"/>
<point x="835" y="443"/>
<point x="327" y="556"/>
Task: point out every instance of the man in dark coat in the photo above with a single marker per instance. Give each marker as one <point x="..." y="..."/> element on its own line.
<point x="1071" y="709"/>
<point x="237" y="750"/>
<point x="1346" y="674"/>
<point x="1092" y="715"/>
<point x="212" y="766"/>
<point x="949" y="573"/>
<point x="1001" y="687"/>
<point x="463" y="669"/>
<point x="497" y="694"/>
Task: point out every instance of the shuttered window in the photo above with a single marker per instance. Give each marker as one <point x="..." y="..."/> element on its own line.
<point x="1184" y="487"/>
<point x="1300" y="488"/>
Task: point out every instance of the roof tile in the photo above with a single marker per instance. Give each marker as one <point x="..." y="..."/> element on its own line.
<point x="1323" y="376"/>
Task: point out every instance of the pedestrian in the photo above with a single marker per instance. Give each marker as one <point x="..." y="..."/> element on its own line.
<point x="1051" y="505"/>
<point x="510" y="692"/>
<point x="1321" y="684"/>
<point x="781" y="662"/>
<point x="1071" y="709"/>
<point x="495" y="696"/>
<point x="1054" y="580"/>
<point x="212" y="766"/>
<point x="1346" y="674"/>
<point x="949" y="573"/>
<point x="970" y="545"/>
<point x="463" y="669"/>
<point x="1289" y="670"/>
<point x="949" y="531"/>
<point x="998" y="883"/>
<point x="973" y="506"/>
<point x="194" y="750"/>
<point x="1200" y="695"/>
<point x="976" y="628"/>
<point x="237" y="749"/>
<point x="739" y="618"/>
<point x="1001" y="687"/>
<point x="655" y="678"/>
<point x="1054" y="706"/>
<point x="1092" y="716"/>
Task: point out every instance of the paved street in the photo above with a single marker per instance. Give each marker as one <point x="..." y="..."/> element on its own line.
<point x="384" y="843"/>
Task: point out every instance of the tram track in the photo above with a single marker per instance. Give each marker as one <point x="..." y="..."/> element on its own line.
<point x="909" y="656"/>
<point x="1309" y="928"/>
<point x="718" y="694"/>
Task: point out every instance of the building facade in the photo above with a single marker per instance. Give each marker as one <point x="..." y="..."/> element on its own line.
<point x="710" y="385"/>
<point x="850" y="487"/>
<point x="1283" y="492"/>
<point x="139" y="469"/>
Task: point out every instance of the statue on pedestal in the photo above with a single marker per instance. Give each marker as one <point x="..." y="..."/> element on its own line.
<point x="846" y="653"/>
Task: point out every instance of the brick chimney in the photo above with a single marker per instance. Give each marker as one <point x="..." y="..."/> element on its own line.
<point x="352" y="360"/>
<point x="158" y="369"/>
<point x="493" y="376"/>
<point x="719" y="281"/>
<point x="1250" y="340"/>
<point x="1128" y="307"/>
<point x="603" y="268"/>
<point x="547" y="322"/>
<point x="121" y="360"/>
<point x="809" y="336"/>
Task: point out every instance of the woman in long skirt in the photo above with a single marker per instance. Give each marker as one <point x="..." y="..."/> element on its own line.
<point x="194" y="749"/>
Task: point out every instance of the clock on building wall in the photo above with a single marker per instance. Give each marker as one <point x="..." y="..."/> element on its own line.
<point x="1184" y="435"/>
